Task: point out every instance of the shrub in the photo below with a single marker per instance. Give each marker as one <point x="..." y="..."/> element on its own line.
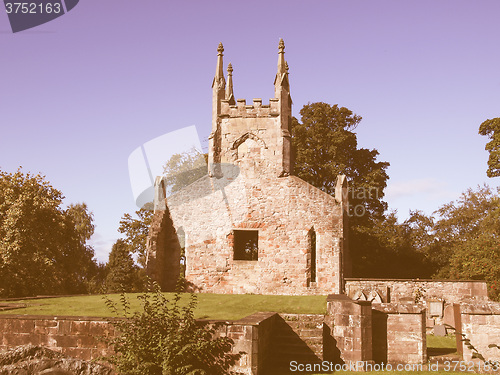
<point x="164" y="338"/>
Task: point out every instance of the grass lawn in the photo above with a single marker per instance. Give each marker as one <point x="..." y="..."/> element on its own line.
<point x="210" y="306"/>
<point x="396" y="372"/>
<point x="441" y="345"/>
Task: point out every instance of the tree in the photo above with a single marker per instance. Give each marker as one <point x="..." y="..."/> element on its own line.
<point x="42" y="246"/>
<point x="324" y="146"/>
<point x="78" y="258"/>
<point x="491" y="129"/>
<point x="179" y="171"/>
<point x="468" y="237"/>
<point x="184" y="168"/>
<point x="136" y="231"/>
<point x="122" y="273"/>
<point x="165" y="338"/>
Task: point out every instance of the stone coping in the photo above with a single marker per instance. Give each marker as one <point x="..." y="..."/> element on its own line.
<point x="254" y="319"/>
<point x="489" y="308"/>
<point x="398" y="308"/>
<point x="344" y="297"/>
<point x="59" y="317"/>
<point x="44" y="297"/>
<point x="413" y="280"/>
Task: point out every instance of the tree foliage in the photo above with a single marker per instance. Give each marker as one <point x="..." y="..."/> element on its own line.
<point x="324" y="146"/>
<point x="136" y="231"/>
<point x="184" y="168"/>
<point x="43" y="247"/>
<point x="165" y="338"/>
<point x="467" y="238"/>
<point x="491" y="129"/>
<point x="122" y="273"/>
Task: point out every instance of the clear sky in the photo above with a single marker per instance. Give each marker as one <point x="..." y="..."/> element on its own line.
<point x="79" y="94"/>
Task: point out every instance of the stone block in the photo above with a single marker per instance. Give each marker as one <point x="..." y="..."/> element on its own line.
<point x="440" y="330"/>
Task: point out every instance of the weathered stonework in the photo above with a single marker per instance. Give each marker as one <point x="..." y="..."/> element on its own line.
<point x="249" y="187"/>
<point x="440" y="297"/>
<point x="399" y="334"/>
<point x="397" y="290"/>
<point x="481" y="325"/>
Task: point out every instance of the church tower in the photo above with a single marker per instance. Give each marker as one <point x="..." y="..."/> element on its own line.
<point x="254" y="137"/>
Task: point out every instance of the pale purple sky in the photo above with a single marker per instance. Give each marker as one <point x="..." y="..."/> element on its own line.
<point x="80" y="93"/>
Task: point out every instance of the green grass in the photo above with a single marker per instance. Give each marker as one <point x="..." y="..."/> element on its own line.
<point x="397" y="372"/>
<point x="210" y="306"/>
<point x="441" y="345"/>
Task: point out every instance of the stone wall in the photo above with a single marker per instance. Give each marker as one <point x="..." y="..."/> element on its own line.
<point x="399" y="334"/>
<point x="209" y="211"/>
<point x="252" y="335"/>
<point x="481" y="325"/>
<point x="77" y="337"/>
<point x="250" y="187"/>
<point x="80" y="337"/>
<point x="352" y="328"/>
<point x="397" y="290"/>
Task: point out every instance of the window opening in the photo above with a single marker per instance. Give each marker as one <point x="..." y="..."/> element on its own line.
<point x="246" y="245"/>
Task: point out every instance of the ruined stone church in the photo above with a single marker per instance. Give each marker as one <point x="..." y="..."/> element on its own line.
<point x="250" y="225"/>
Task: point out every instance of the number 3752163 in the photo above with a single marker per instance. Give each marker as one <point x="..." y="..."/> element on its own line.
<point x="33" y="8"/>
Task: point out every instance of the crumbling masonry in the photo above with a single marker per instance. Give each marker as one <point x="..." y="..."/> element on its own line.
<point x="250" y="226"/>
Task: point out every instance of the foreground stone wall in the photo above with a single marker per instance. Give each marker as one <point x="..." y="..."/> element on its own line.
<point x="397" y="290"/>
<point x="352" y="327"/>
<point x="80" y="337"/>
<point x="481" y="325"/>
<point x="77" y="337"/>
<point x="351" y="332"/>
<point x="399" y="334"/>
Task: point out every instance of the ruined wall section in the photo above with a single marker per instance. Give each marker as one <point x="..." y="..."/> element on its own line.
<point x="163" y="256"/>
<point x="256" y="137"/>
<point x="399" y="290"/>
<point x="481" y="325"/>
<point x="283" y="211"/>
<point x="399" y="335"/>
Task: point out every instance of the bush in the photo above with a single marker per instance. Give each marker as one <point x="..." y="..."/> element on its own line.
<point x="164" y="338"/>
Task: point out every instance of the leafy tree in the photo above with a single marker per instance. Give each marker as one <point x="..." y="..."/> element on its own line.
<point x="136" y="231"/>
<point x="180" y="170"/>
<point x="78" y="258"/>
<point x="164" y="338"/>
<point x="42" y="246"/>
<point x="325" y="146"/>
<point x="491" y="129"/>
<point x="122" y="273"/>
<point x="184" y="168"/>
<point x="468" y="238"/>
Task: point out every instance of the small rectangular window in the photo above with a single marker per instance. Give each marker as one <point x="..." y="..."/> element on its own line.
<point x="246" y="244"/>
